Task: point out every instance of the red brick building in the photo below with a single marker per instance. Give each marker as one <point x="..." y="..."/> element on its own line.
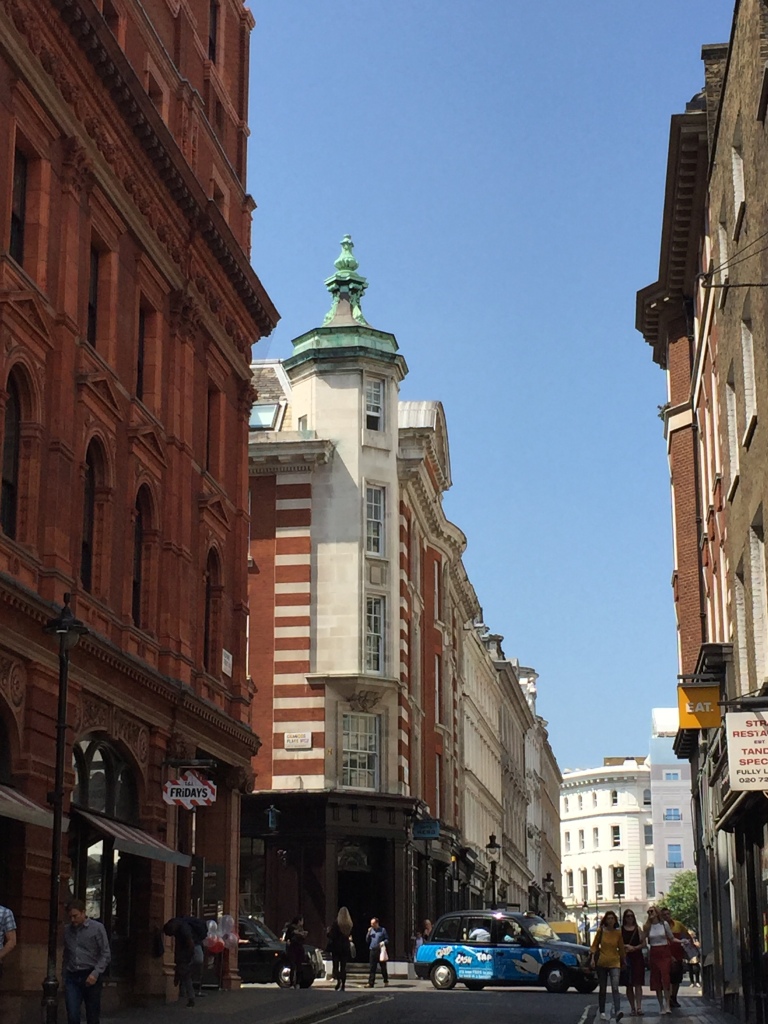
<point x="127" y="312"/>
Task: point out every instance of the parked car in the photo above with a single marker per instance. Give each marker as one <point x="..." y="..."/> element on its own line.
<point x="482" y="948"/>
<point x="261" y="957"/>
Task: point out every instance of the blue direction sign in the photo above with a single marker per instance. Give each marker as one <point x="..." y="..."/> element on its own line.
<point x="429" y="828"/>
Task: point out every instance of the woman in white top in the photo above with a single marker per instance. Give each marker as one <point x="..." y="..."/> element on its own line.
<point x="659" y="936"/>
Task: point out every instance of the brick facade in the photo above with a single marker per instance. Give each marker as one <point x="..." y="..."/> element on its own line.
<point x="127" y="313"/>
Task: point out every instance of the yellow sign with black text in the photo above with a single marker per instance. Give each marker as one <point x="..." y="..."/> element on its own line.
<point x="698" y="707"/>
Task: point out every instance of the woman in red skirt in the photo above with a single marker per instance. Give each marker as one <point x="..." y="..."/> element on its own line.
<point x="659" y="937"/>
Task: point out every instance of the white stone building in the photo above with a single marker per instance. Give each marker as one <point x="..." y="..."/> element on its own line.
<point x="606" y="838"/>
<point x="670" y="803"/>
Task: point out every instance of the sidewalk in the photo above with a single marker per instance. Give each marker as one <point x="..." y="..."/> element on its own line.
<point x="693" y="1010"/>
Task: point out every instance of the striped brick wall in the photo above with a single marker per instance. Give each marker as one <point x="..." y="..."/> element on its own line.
<point x="285" y="577"/>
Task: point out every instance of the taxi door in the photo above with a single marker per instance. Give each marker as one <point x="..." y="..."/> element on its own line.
<point x="516" y="961"/>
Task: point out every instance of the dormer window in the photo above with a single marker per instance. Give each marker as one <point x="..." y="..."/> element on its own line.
<point x="374" y="405"/>
<point x="264" y="415"/>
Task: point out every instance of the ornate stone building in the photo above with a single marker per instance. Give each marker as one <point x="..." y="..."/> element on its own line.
<point x="385" y="700"/>
<point x="127" y="312"/>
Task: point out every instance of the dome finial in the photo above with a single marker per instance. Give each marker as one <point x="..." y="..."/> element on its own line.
<point x="346" y="287"/>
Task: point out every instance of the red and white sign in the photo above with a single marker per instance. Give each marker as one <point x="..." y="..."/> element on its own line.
<point x="747" y="733"/>
<point x="190" y="790"/>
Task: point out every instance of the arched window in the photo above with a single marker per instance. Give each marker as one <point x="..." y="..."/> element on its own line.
<point x="646" y="798"/>
<point x="141" y="523"/>
<point x="9" y="496"/>
<point x="103" y="874"/>
<point x="614" y="798"/>
<point x="104" y="782"/>
<point x="211" y="657"/>
<point x="89" y="519"/>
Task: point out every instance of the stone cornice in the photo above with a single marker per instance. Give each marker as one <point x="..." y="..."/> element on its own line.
<point x="173" y="691"/>
<point x="286" y="455"/>
<point x="682" y="225"/>
<point x="138" y="113"/>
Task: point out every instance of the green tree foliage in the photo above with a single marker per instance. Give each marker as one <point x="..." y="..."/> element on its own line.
<point x="683" y="899"/>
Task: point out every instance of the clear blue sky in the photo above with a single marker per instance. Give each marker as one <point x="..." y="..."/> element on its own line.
<point x="500" y="166"/>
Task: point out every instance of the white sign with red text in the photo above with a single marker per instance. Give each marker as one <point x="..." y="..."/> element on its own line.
<point x="190" y="790"/>
<point x="747" y="733"/>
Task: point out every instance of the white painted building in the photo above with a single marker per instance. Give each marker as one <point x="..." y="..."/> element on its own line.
<point x="606" y="838"/>
<point x="670" y="803"/>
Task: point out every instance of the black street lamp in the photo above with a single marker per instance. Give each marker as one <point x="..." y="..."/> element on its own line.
<point x="585" y="921"/>
<point x="493" y="850"/>
<point x="69" y="630"/>
<point x="548" y="885"/>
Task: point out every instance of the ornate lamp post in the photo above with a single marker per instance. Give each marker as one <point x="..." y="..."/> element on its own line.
<point x="585" y="921"/>
<point x="69" y="630"/>
<point x="548" y="885"/>
<point x="493" y="850"/>
<point x="617" y="896"/>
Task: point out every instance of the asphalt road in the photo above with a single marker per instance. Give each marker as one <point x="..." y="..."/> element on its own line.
<point x="500" y="1006"/>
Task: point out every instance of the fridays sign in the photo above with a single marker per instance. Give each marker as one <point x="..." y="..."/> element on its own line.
<point x="747" y="735"/>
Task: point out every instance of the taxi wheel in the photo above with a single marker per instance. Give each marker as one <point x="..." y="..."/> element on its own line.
<point x="556" y="980"/>
<point x="443" y="976"/>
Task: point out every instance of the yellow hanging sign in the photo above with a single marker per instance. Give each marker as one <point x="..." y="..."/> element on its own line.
<point x="698" y="707"/>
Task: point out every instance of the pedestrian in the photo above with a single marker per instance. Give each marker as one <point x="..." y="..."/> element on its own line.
<point x="377" y="940"/>
<point x="634" y="972"/>
<point x="676" y="967"/>
<point x="659" y="937"/>
<point x="426" y="930"/>
<point x="183" y="936"/>
<point x="294" y="936"/>
<point x="7" y="934"/>
<point x="199" y="935"/>
<point x="609" y="956"/>
<point x="341" y="947"/>
<point x="694" y="961"/>
<point x="86" y="957"/>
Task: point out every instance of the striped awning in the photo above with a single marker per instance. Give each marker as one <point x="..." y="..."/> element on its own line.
<point x="14" y="804"/>
<point x="135" y="841"/>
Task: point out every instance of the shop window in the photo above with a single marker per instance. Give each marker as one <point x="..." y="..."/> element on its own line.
<point x="9" y="494"/>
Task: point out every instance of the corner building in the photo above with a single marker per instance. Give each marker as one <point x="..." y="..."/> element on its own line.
<point x="127" y="312"/>
<point x="361" y="639"/>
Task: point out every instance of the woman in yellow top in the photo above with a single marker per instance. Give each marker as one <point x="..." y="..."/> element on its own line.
<point x="609" y="954"/>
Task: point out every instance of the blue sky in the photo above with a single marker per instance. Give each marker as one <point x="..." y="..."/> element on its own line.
<point x="500" y="166"/>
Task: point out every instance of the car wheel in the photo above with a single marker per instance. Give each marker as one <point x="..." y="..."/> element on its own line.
<point x="283" y="976"/>
<point x="556" y="980"/>
<point x="475" y="986"/>
<point x="584" y="986"/>
<point x="442" y="975"/>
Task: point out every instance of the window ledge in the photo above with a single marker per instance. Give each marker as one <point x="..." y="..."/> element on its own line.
<point x="739" y="219"/>
<point x="732" y="488"/>
<point x="377" y="439"/>
<point x="751" y="424"/>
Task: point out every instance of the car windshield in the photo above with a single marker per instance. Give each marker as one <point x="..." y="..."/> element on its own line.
<point x="539" y="929"/>
<point x="255" y="929"/>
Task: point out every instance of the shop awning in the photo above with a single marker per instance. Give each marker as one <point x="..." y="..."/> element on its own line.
<point x="135" y="841"/>
<point x="14" y="804"/>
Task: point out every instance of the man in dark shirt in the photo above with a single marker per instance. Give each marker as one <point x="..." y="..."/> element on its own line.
<point x="181" y="930"/>
<point x="86" y="957"/>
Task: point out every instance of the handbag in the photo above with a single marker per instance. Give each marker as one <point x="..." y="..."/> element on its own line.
<point x="352" y="950"/>
<point x="383" y="954"/>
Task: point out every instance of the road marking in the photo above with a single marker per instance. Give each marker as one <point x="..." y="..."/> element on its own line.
<point x="583" y="1018"/>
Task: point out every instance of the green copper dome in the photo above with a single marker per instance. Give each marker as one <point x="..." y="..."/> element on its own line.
<point x="345" y="333"/>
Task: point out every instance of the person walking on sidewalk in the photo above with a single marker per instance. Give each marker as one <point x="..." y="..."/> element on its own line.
<point x="609" y="955"/>
<point x="340" y="946"/>
<point x="377" y="940"/>
<point x="676" y="967"/>
<point x="184" y="955"/>
<point x="659" y="937"/>
<point x="294" y="936"/>
<point x="7" y="934"/>
<point x="86" y="957"/>
<point x="634" y="972"/>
